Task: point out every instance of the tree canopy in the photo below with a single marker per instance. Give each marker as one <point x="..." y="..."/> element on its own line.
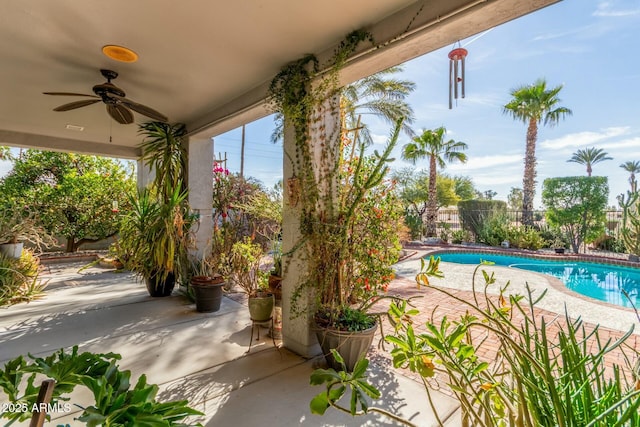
<point x="76" y="196"/>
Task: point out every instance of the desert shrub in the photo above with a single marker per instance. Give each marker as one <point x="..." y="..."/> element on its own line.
<point x="524" y="237"/>
<point x="493" y="230"/>
<point x="459" y="236"/>
<point x="473" y="213"/>
<point x="19" y="278"/>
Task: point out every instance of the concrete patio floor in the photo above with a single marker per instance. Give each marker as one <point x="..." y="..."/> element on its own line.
<point x="198" y="356"/>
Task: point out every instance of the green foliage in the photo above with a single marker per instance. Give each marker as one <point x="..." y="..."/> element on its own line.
<point x="577" y="206"/>
<point x="337" y="384"/>
<point x="19" y="280"/>
<point x="473" y="213"/>
<point x="154" y="234"/>
<point x="630" y="233"/>
<point x="514" y="199"/>
<point x="69" y="194"/>
<point x="498" y="228"/>
<point x="163" y="152"/>
<point x="116" y="402"/>
<point x="242" y="265"/>
<point x="459" y="236"/>
<point x="532" y="379"/>
<point x="344" y="318"/>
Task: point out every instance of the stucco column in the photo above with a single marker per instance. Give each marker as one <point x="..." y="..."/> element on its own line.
<point x="144" y="175"/>
<point x="297" y="333"/>
<point x="200" y="184"/>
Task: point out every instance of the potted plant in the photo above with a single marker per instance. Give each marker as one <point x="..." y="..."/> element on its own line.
<point x="559" y="245"/>
<point x="348" y="223"/>
<point x="243" y="266"/>
<point x="154" y="237"/>
<point x="153" y="240"/>
<point x="207" y="284"/>
<point x="19" y="224"/>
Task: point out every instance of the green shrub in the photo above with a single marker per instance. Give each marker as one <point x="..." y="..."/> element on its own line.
<point x="459" y="236"/>
<point x="473" y="213"/>
<point x="19" y="278"/>
<point x="524" y="237"/>
<point x="493" y="230"/>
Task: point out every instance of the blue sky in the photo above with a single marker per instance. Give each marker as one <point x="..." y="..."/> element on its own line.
<point x="589" y="46"/>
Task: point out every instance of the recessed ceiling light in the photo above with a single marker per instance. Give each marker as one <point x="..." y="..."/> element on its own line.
<point x="119" y="53"/>
<point x="75" y="127"/>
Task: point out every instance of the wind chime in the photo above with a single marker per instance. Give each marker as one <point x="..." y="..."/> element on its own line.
<point x="456" y="63"/>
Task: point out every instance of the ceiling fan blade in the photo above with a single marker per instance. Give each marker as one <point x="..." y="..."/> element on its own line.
<point x="69" y="94"/>
<point x="76" y="104"/>
<point x="144" y="110"/>
<point x="120" y="113"/>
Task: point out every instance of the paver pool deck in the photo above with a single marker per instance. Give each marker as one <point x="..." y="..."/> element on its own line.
<point x="202" y="356"/>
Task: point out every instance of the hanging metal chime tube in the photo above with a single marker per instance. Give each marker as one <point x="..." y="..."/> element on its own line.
<point x="455" y="56"/>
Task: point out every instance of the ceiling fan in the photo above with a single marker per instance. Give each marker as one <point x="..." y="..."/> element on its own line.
<point x="118" y="106"/>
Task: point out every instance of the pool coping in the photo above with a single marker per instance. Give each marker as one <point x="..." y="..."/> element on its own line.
<point x="556" y="283"/>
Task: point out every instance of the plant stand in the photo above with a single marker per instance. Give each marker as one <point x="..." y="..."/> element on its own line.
<point x="255" y="324"/>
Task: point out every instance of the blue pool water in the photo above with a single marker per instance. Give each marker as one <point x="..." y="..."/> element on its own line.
<point x="600" y="281"/>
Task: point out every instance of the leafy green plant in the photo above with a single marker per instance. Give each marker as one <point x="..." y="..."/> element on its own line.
<point x="473" y="213"/>
<point x="67" y="194"/>
<point x="19" y="279"/>
<point x="243" y="267"/>
<point x="576" y="204"/>
<point x="116" y="402"/>
<point x="532" y="379"/>
<point x="459" y="236"/>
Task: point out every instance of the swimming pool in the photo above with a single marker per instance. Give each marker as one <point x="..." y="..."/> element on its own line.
<point x="595" y="280"/>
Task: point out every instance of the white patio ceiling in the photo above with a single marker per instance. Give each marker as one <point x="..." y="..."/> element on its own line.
<point x="202" y="62"/>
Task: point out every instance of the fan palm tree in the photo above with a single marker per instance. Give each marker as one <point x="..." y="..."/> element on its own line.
<point x="534" y="104"/>
<point x="431" y="144"/>
<point x="589" y="157"/>
<point x="633" y="167"/>
<point x="380" y="94"/>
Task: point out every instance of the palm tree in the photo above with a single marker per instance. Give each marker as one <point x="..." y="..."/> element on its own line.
<point x="589" y="157"/>
<point x="633" y="167"/>
<point x="534" y="104"/>
<point x="380" y="95"/>
<point x="431" y="144"/>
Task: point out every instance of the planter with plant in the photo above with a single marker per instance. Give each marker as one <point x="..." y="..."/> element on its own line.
<point x="154" y="236"/>
<point x="348" y="213"/>
<point x="19" y="224"/>
<point x="243" y="266"/>
<point x="207" y="283"/>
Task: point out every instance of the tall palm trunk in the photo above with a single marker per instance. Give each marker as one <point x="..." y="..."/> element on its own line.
<point x="589" y="169"/>
<point x="432" y="205"/>
<point x="529" y="182"/>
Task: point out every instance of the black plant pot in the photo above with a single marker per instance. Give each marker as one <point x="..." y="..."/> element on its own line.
<point x="159" y="288"/>
<point x="208" y="294"/>
<point x="559" y="250"/>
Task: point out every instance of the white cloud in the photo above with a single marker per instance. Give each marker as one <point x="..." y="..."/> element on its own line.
<point x="379" y="139"/>
<point x="613" y="9"/>
<point x="581" y="139"/>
